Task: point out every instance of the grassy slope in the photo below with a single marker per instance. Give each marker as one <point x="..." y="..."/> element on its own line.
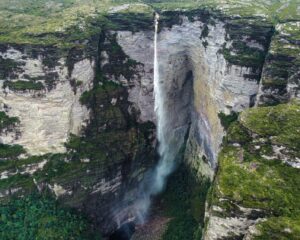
<point x="58" y="22"/>
<point x="49" y="22"/>
<point x="249" y="179"/>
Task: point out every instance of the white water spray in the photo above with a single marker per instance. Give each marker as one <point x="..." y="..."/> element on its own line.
<point x="165" y="165"/>
<point x="156" y="67"/>
<point x="170" y="141"/>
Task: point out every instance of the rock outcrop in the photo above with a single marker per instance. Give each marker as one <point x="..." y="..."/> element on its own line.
<point x="280" y="78"/>
<point x="47" y="114"/>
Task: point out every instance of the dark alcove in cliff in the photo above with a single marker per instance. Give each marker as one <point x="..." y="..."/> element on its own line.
<point x="125" y="232"/>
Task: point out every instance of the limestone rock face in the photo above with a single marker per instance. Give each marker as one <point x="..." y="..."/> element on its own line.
<point x="47" y="116"/>
<point x="139" y="46"/>
<point x="197" y="80"/>
<point x="220" y="227"/>
<point x="280" y="77"/>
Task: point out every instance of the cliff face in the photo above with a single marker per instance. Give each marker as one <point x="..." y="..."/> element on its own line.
<point x="43" y="99"/>
<point x="69" y="129"/>
<point x="280" y="78"/>
<point x="81" y="122"/>
<point x="207" y="68"/>
<point x="198" y="81"/>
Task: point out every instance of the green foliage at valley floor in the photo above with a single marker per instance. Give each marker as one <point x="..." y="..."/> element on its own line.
<point x="252" y="175"/>
<point x="40" y="217"/>
<point x="184" y="202"/>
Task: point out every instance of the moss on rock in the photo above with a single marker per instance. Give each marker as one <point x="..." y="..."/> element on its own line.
<point x="23" y="85"/>
<point x="279" y="228"/>
<point x="252" y="176"/>
<point x="6" y="122"/>
<point x="281" y="123"/>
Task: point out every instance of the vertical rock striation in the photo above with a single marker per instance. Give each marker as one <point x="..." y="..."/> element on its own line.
<point x="197" y="80"/>
<point x="49" y="113"/>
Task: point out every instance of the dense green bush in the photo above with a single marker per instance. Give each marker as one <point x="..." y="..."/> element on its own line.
<point x="226" y="120"/>
<point x="40" y="218"/>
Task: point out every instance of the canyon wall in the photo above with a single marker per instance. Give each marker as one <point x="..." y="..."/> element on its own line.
<point x="44" y="100"/>
<point x="86" y="122"/>
<point x="198" y="82"/>
<point x="69" y="126"/>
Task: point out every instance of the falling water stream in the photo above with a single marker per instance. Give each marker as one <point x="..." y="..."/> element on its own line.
<point x="168" y="147"/>
<point x="169" y="143"/>
<point x="165" y="136"/>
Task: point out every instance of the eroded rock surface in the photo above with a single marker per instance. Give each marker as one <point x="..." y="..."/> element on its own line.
<point x="48" y="115"/>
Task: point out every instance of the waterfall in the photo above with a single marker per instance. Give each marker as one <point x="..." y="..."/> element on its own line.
<point x="169" y="139"/>
<point x="156" y="67"/>
<point x="164" y="167"/>
<point x="169" y="144"/>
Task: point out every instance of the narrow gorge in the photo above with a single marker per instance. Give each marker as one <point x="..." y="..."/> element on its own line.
<point x="150" y="120"/>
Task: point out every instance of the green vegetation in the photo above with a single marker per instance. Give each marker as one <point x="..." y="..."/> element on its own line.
<point x="119" y="62"/>
<point x="6" y="122"/>
<point x="8" y="67"/>
<point x="249" y="179"/>
<point x="16" y="164"/>
<point x="280" y="10"/>
<point x="63" y="22"/>
<point x="184" y="201"/>
<point x="244" y="56"/>
<point x="10" y="151"/>
<point x="18" y="185"/>
<point x="256" y="183"/>
<point x="23" y="85"/>
<point x="240" y="32"/>
<point x="105" y="88"/>
<point x="205" y="32"/>
<point x="226" y="120"/>
<point x="39" y="217"/>
<point x="280" y="122"/>
<point x="42" y="22"/>
<point x="282" y="63"/>
<point x="281" y="228"/>
<point x="237" y="133"/>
